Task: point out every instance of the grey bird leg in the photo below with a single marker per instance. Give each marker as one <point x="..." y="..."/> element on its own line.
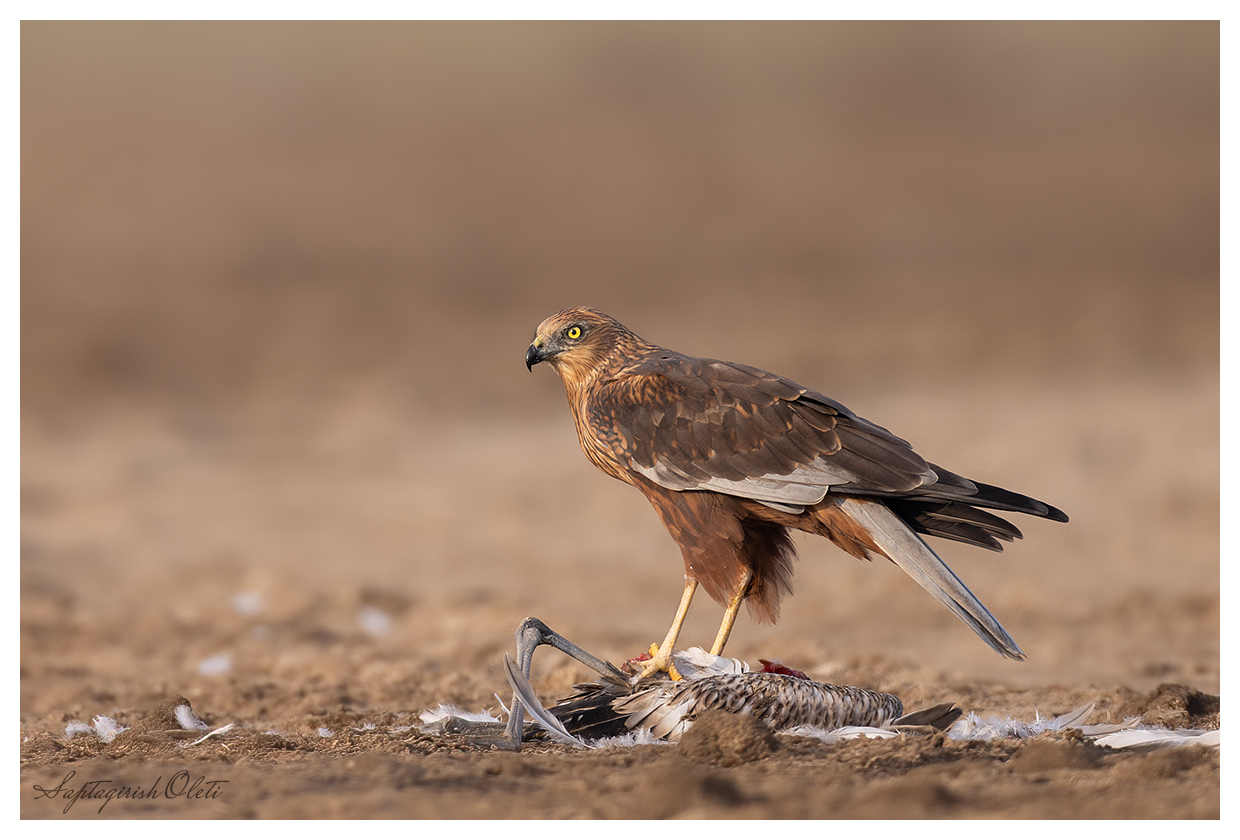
<point x="530" y="634"/>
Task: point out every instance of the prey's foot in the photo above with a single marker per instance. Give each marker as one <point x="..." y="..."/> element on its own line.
<point x="654" y="662"/>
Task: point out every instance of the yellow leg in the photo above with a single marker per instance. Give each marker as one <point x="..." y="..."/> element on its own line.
<point x="729" y="617"/>
<point x="662" y="661"/>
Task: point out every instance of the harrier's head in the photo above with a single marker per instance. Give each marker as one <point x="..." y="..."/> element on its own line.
<point x="576" y="342"/>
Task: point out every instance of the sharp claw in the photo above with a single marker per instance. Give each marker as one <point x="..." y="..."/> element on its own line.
<point x="659" y="663"/>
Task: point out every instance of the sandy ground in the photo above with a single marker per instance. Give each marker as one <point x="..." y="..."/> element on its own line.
<point x="281" y="457"/>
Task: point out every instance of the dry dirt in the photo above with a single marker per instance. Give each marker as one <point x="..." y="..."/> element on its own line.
<point x="280" y="455"/>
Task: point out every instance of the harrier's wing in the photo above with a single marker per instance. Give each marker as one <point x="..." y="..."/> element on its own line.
<point x="701" y="424"/>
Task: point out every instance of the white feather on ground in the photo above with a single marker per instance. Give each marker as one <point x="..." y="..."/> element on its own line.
<point x="223" y="730"/>
<point x="106" y="729"/>
<point x="972" y="727"/>
<point x="188" y="720"/>
<point x="444" y="711"/>
<point x="215" y="666"/>
<point x="103" y="728"/>
<point x="1137" y="738"/>
<point x="844" y="733"/>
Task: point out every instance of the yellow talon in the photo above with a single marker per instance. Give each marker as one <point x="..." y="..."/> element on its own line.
<point x="671" y="667"/>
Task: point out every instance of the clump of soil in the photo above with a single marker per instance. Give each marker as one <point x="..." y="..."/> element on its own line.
<point x="727" y="740"/>
<point x="1175" y="706"/>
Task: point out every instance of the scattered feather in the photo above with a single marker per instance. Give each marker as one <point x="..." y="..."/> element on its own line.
<point x="973" y="727"/>
<point x="214" y="666"/>
<point x="1131" y="735"/>
<point x="103" y="728"/>
<point x="1094" y="730"/>
<point x="374" y="621"/>
<point x="223" y="729"/>
<point x="188" y="720"/>
<point x="107" y="728"/>
<point x="1157" y="738"/>
<point x="844" y="733"/>
<point x="636" y="738"/>
<point x="76" y="728"/>
<point x="248" y="603"/>
<point x="444" y="711"/>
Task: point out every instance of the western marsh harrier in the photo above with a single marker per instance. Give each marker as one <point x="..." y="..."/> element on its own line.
<point x="732" y="457"/>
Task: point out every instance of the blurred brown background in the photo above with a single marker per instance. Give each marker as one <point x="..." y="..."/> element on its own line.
<point x="278" y="280"/>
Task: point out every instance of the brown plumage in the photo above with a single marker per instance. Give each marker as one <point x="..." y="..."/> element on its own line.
<point x="732" y="457"/>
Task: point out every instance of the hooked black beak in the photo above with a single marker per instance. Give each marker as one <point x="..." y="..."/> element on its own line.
<point x="533" y="356"/>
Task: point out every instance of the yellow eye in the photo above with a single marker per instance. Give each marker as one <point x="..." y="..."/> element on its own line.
<point x="574" y="332"/>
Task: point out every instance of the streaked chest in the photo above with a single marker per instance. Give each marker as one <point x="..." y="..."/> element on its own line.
<point x="599" y="436"/>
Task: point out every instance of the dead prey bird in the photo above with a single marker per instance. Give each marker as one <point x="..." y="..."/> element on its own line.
<point x="618" y="705"/>
<point x="732" y="458"/>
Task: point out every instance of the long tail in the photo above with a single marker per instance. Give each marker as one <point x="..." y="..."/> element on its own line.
<point x="901" y="545"/>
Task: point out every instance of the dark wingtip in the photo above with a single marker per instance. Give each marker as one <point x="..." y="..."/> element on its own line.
<point x="1055" y="513"/>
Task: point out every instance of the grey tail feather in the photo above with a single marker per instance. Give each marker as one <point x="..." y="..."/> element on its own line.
<point x="940" y="717"/>
<point x="522" y="688"/>
<point x="908" y="551"/>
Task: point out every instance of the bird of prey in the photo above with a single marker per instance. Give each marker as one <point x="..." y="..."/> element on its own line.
<point x="733" y="457"/>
